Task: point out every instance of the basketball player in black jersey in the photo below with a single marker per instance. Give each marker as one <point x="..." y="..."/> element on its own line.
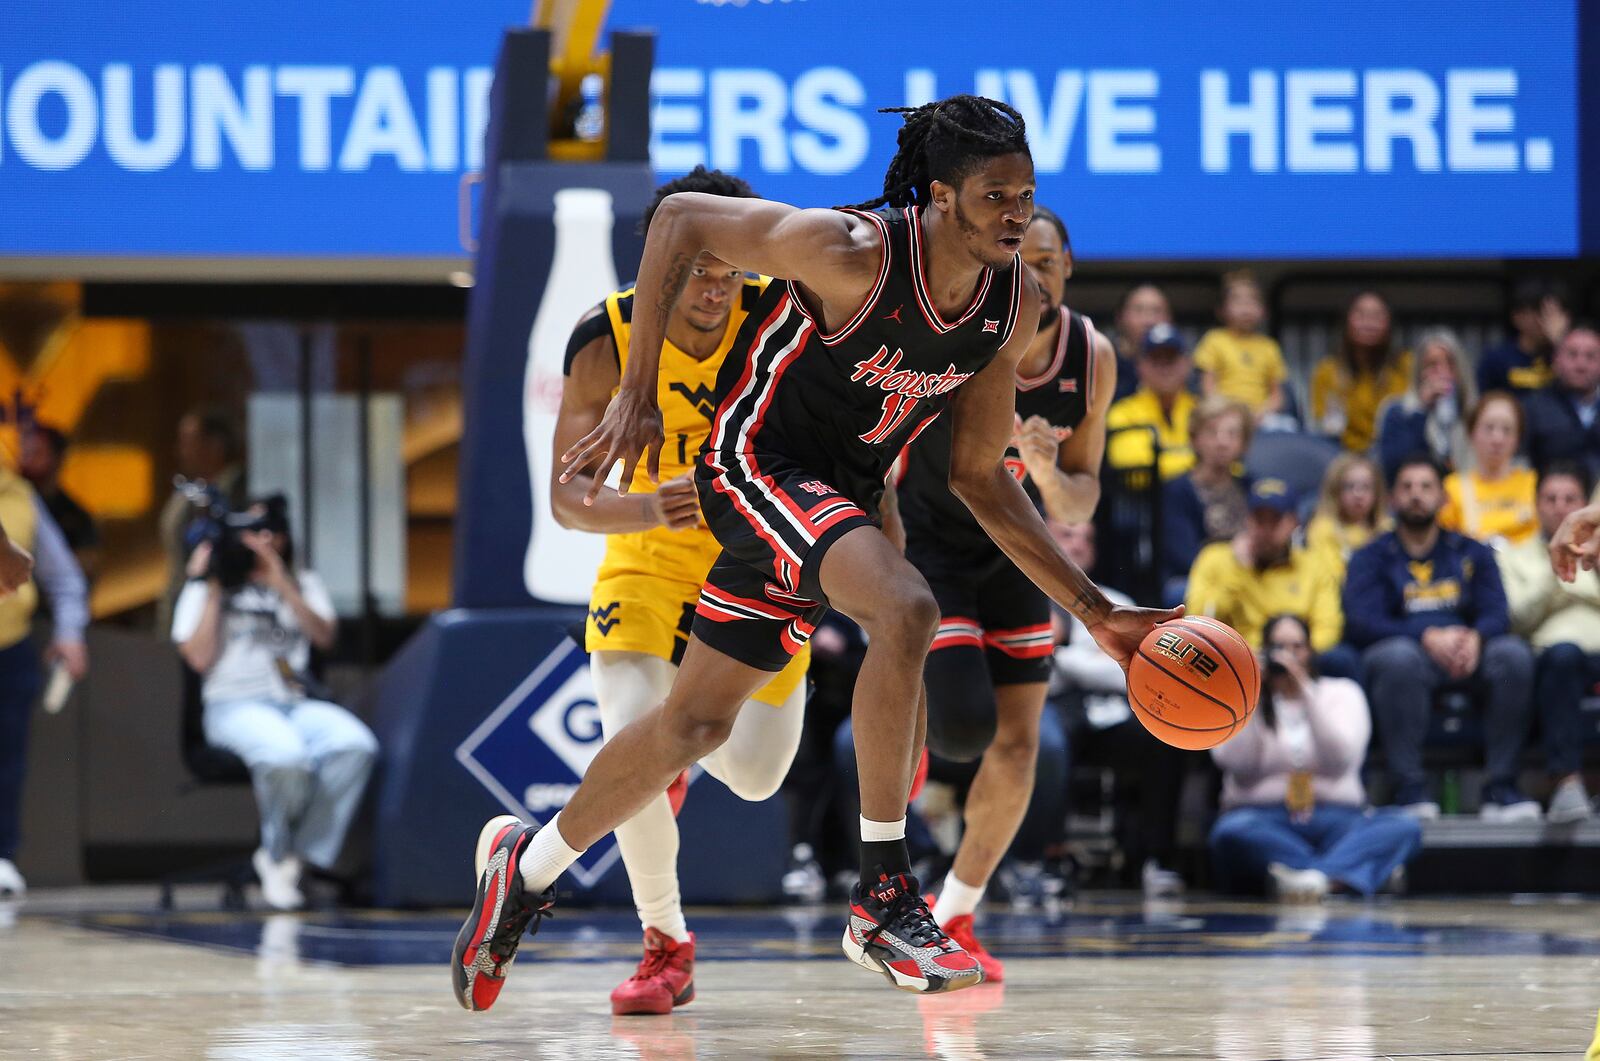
<point x="988" y="671"/>
<point x="885" y="320"/>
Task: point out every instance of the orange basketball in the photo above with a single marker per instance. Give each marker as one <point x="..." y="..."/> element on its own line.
<point x="1194" y="682"/>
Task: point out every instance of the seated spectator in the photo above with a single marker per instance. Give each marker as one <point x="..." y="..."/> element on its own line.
<point x="1238" y="360"/>
<point x="1351" y="511"/>
<point x="1540" y="319"/>
<point x="1089" y="691"/>
<point x="1294" y="812"/>
<point x="1492" y="500"/>
<point x="1262" y="573"/>
<point x="251" y="643"/>
<point x="28" y="529"/>
<point x="43" y="450"/>
<point x="1562" y="623"/>
<point x="1209" y="502"/>
<point x="1564" y="418"/>
<point x="1141" y="308"/>
<point x="1348" y="386"/>
<point x="1427" y="609"/>
<point x="1162" y="403"/>
<point x="1428" y="417"/>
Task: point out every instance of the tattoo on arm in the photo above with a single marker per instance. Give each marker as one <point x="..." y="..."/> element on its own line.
<point x="677" y="279"/>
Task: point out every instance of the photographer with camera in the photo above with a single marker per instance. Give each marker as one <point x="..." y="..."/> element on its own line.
<point x="1294" y="810"/>
<point x="246" y="621"/>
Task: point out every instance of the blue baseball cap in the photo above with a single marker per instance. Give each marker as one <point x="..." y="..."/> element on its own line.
<point x="1274" y="494"/>
<point x="1163" y="337"/>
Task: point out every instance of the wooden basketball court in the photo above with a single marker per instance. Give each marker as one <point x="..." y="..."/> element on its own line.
<point x="98" y="974"/>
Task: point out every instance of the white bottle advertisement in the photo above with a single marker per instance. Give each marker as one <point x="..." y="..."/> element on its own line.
<point x="560" y="565"/>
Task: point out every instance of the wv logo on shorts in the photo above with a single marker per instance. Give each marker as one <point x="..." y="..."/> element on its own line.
<point x="605" y="618"/>
<point x="703" y="398"/>
<point x="533" y="749"/>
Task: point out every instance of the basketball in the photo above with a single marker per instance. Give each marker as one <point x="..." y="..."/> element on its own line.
<point x="1194" y="682"/>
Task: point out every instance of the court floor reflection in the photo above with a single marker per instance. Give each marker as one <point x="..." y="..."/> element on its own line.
<point x="1109" y="980"/>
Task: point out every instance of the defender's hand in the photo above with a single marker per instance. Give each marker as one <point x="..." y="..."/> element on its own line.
<point x="631" y="427"/>
<point x="1121" y="631"/>
<point x="677" y="504"/>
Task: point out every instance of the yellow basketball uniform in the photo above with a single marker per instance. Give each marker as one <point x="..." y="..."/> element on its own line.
<point x="645" y="592"/>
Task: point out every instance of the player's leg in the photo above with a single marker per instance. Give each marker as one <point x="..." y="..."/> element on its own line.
<point x="996" y="804"/>
<point x="627" y="685"/>
<point x="644" y="757"/>
<point x="890" y="930"/>
<point x="1015" y="618"/>
<point x="867" y="579"/>
<point x="519" y="863"/>
<point x="756" y="756"/>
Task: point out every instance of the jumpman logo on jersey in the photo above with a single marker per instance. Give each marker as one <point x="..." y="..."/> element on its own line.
<point x="895" y="316"/>
<point x="703" y="398"/>
<point x="603" y="620"/>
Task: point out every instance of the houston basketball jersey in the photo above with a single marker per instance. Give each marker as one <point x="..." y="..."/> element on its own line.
<point x="842" y="405"/>
<point x="686" y="391"/>
<point x="1060" y="394"/>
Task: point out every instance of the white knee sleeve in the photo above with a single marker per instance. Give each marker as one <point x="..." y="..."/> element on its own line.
<point x="757" y="756"/>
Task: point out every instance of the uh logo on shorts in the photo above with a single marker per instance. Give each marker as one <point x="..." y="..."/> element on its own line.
<point x="534" y="747"/>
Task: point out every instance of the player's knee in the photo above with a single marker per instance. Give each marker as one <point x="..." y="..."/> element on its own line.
<point x="754" y="784"/>
<point x="906" y="617"/>
<point x="1016" y="750"/>
<point x="961" y="735"/>
<point x="697" y="735"/>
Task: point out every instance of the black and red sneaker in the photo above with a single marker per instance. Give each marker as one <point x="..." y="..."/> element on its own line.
<point x="487" y="943"/>
<point x="891" y="932"/>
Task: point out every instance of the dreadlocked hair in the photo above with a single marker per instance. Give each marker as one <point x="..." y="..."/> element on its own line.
<point x="699" y="179"/>
<point x="945" y="141"/>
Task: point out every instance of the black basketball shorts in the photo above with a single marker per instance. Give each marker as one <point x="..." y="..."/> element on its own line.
<point x="763" y="596"/>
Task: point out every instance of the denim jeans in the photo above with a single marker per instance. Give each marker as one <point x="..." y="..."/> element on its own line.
<point x="309" y="762"/>
<point x="1358" y="848"/>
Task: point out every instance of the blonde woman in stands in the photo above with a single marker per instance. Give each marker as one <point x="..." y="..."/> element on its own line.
<point x="1351" y="511"/>
<point x="1492" y="500"/>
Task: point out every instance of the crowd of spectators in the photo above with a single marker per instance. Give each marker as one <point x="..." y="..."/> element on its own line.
<point x="1418" y="572"/>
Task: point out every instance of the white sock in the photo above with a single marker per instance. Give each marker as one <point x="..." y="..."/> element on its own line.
<point x="878" y="832"/>
<point x="956" y="898"/>
<point x="546" y="857"/>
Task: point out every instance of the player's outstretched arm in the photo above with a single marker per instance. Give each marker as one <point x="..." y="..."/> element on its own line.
<point x="592" y="377"/>
<point x="985" y="411"/>
<point x="834" y="255"/>
<point x="1576" y="543"/>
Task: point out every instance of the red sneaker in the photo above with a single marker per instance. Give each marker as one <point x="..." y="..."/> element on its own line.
<point x="891" y="932"/>
<point x="959" y="928"/>
<point x="678" y="791"/>
<point x="664" y="979"/>
<point x="502" y="911"/>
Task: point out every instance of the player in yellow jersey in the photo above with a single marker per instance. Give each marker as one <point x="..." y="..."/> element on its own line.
<point x="658" y="552"/>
